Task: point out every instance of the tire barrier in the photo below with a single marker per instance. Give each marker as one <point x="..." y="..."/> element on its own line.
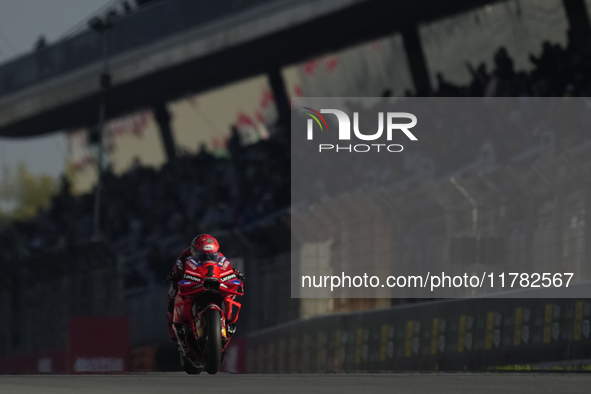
<point x="451" y="335"/>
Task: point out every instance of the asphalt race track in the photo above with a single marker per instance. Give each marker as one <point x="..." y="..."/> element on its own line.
<point x="283" y="384"/>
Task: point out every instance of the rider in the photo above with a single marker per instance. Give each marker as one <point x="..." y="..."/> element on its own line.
<point x="203" y="248"/>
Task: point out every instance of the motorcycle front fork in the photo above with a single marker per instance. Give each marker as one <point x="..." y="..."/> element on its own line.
<point x="229" y="330"/>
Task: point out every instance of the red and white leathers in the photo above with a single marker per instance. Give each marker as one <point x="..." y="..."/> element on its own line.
<point x="178" y="270"/>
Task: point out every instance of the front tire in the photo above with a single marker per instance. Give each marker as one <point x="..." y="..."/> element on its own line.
<point x="213" y="346"/>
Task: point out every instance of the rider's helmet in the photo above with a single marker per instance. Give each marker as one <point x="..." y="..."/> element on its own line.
<point x="205" y="248"/>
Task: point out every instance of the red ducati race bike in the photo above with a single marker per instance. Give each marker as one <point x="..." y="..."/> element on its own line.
<point x="204" y="314"/>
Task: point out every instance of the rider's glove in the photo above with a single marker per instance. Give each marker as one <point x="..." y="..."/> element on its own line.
<point x="239" y="275"/>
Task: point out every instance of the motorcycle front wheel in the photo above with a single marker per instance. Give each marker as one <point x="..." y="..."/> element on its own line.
<point x="213" y="346"/>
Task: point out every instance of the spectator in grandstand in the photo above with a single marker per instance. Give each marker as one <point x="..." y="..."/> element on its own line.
<point x="503" y="64"/>
<point x="41" y="43"/>
<point x="480" y="79"/>
<point x="445" y="88"/>
<point x="234" y="143"/>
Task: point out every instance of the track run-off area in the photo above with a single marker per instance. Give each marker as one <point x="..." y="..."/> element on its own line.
<point x="440" y="383"/>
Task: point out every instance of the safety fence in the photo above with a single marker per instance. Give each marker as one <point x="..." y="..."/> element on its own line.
<point x="458" y="335"/>
<point x="530" y="215"/>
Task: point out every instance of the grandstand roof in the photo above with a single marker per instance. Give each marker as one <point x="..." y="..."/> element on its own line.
<point x="177" y="47"/>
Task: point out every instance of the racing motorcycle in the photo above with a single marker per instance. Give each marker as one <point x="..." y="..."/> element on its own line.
<point x="205" y="313"/>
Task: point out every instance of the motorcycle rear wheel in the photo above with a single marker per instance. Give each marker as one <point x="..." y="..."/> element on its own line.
<point x="213" y="346"/>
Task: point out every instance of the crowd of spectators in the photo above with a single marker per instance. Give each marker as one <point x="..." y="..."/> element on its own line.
<point x="200" y="192"/>
<point x="193" y="194"/>
<point x="556" y="72"/>
<point x="461" y="129"/>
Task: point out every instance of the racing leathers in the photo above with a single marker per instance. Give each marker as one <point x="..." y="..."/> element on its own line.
<point x="178" y="270"/>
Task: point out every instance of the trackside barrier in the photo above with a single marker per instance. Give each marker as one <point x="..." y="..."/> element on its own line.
<point x="45" y="362"/>
<point x="454" y="335"/>
<point x="84" y="280"/>
<point x="94" y="345"/>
